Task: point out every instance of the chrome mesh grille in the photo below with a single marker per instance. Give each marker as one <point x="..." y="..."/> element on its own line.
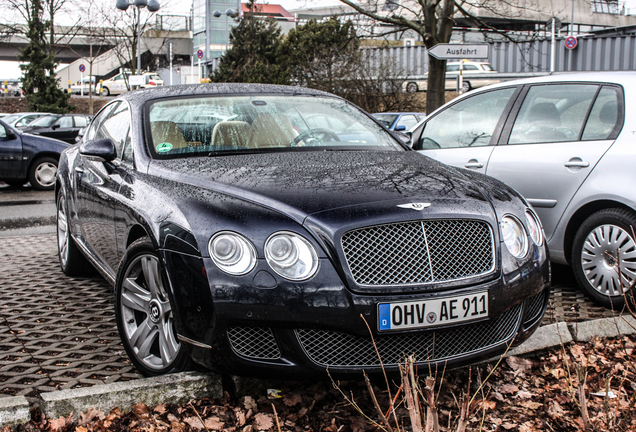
<point x="329" y="348"/>
<point x="254" y="342"/>
<point x="419" y="252"/>
<point x="534" y="308"/>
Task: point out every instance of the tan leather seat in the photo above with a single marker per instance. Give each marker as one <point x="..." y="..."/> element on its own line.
<point x="167" y="132"/>
<point x="231" y="134"/>
<point x="271" y="130"/>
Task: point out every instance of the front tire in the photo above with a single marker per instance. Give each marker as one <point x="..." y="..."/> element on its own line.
<point x="105" y="91"/>
<point x="466" y="87"/>
<point x="42" y="173"/>
<point x="144" y="313"/>
<point x="603" y="245"/>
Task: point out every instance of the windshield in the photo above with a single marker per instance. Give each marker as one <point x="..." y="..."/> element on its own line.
<point x="386" y="119"/>
<point x="45" y="121"/>
<point x="10" y="118"/>
<point x="246" y="124"/>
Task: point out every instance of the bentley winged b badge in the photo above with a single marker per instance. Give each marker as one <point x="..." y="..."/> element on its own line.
<point x="414" y="206"/>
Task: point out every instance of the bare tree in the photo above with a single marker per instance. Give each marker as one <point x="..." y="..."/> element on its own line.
<point x="433" y="20"/>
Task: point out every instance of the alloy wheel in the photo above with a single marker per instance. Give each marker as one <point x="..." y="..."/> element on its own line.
<point x="147" y="315"/>
<point x="608" y="251"/>
<point x="62" y="232"/>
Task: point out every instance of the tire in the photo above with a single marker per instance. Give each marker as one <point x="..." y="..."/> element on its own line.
<point x="411" y="87"/>
<point x="105" y="91"/>
<point x="595" y="258"/>
<point x="42" y="173"/>
<point x="143" y="311"/>
<point x="15" y="183"/>
<point x="466" y="87"/>
<point x="72" y="261"/>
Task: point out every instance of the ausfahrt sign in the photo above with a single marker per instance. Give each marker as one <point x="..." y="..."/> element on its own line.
<point x="459" y="51"/>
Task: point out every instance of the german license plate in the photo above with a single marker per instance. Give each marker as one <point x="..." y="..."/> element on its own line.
<point x="433" y="312"/>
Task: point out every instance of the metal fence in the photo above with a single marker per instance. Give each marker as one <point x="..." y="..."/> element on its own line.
<point x="591" y="54"/>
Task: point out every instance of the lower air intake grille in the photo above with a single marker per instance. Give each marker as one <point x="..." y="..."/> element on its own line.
<point x="254" y="342"/>
<point x="329" y="348"/>
<point x="419" y="252"/>
<point x="534" y="308"/>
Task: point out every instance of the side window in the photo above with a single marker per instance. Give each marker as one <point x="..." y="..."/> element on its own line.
<point x="468" y="123"/>
<point x="470" y="68"/>
<point x="116" y="127"/>
<point x="604" y="116"/>
<point x="552" y="113"/>
<point x="452" y="68"/>
<point x="25" y="121"/>
<point x="90" y="134"/>
<point x="65" y="122"/>
<point x="408" y="121"/>
<point x="80" y="121"/>
<point x="3" y="132"/>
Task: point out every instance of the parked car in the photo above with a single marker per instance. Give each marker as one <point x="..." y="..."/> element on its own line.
<point x="28" y="158"/>
<point x="83" y="86"/>
<point x="470" y="77"/>
<point x="64" y="127"/>
<point x="255" y="245"/>
<point x="399" y="121"/>
<point x="564" y="144"/>
<point x="119" y="83"/>
<point x="21" y="120"/>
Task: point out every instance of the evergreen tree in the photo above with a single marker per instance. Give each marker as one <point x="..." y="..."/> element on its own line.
<point x="255" y="53"/>
<point x="39" y="82"/>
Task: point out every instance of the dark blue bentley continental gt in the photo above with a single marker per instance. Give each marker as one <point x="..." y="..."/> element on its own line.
<point x="280" y="231"/>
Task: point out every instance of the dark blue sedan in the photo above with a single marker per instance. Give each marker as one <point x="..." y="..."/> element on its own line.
<point x="25" y="157"/>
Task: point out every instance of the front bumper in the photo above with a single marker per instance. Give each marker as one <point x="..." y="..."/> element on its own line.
<point x="262" y="325"/>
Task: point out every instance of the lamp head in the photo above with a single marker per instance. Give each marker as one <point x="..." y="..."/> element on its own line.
<point x="216" y="13"/>
<point x="122" y="4"/>
<point x="140" y="3"/>
<point x="153" y="5"/>
<point x="231" y="13"/>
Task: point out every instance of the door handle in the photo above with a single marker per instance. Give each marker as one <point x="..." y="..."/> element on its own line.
<point x="576" y="163"/>
<point x="474" y="163"/>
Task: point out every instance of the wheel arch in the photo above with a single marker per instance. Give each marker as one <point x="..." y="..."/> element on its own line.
<point x="135" y="233"/>
<point x="41" y="155"/>
<point x="579" y="217"/>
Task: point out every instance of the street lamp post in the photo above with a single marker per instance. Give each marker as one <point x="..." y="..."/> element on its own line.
<point x="153" y="6"/>
<point x="228" y="13"/>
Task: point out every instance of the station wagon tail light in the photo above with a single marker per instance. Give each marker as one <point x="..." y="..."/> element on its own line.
<point x="514" y="236"/>
<point x="291" y="256"/>
<point x="534" y="226"/>
<point x="232" y="253"/>
<point x="152" y="83"/>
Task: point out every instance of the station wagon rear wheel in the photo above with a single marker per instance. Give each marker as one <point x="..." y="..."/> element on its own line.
<point x="604" y="257"/>
<point x="411" y="87"/>
<point x="144" y="313"/>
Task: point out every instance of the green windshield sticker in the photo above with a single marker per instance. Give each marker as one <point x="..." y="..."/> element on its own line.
<point x="164" y="147"/>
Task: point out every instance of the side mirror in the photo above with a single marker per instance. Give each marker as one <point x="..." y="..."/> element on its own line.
<point x="55" y="126"/>
<point x="102" y="150"/>
<point x="400" y="128"/>
<point x="11" y="135"/>
<point x="404" y="137"/>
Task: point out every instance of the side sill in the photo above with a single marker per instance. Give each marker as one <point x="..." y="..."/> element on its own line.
<point x="107" y="274"/>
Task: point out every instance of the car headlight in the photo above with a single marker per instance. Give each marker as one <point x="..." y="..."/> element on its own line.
<point x="232" y="253"/>
<point x="291" y="256"/>
<point x="514" y="236"/>
<point x="534" y="226"/>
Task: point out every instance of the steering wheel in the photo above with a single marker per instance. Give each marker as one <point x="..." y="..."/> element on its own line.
<point x="315" y="136"/>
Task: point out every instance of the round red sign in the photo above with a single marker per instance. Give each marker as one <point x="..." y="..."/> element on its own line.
<point x="571" y="42"/>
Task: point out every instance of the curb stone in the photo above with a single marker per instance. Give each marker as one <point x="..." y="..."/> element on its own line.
<point x="175" y="388"/>
<point x="14" y="410"/>
<point x="606" y="327"/>
<point x="545" y="337"/>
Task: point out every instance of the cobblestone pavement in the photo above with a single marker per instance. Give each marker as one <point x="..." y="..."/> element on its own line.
<point x="58" y="332"/>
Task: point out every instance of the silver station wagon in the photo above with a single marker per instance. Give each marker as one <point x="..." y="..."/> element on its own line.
<point x="563" y="143"/>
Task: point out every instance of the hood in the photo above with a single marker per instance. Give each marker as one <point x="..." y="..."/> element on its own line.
<point x="300" y="184"/>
